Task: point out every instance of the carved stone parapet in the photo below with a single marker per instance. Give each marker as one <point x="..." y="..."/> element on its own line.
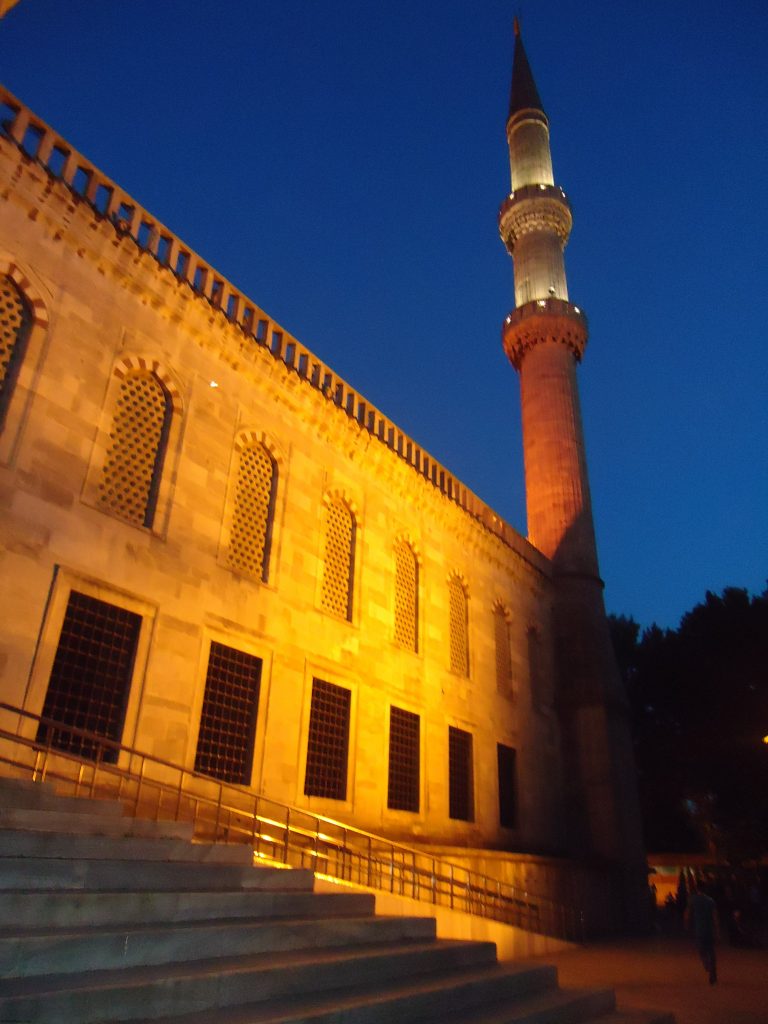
<point x="535" y="208"/>
<point x="543" y="320"/>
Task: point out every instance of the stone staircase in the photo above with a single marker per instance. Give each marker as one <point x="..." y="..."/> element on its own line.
<point x="105" y="918"/>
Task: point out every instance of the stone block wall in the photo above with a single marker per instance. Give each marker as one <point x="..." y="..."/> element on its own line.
<point x="105" y="307"/>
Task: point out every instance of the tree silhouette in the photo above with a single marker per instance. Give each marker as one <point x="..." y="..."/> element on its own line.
<point x="699" y="703"/>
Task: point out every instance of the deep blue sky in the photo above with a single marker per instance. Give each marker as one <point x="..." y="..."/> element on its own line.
<point x="343" y="161"/>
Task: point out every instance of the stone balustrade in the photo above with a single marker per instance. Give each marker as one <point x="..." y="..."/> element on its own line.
<point x="38" y="142"/>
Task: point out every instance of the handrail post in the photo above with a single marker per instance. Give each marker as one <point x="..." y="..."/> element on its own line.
<point x="178" y="795"/>
<point x="286" y="840"/>
<point x="99" y="755"/>
<point x="254" y="820"/>
<point x="139" y="785"/>
<point x="218" y="814"/>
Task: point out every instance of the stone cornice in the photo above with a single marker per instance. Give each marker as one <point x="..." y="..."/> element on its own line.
<point x="540" y="321"/>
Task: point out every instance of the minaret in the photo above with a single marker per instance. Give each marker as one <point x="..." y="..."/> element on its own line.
<point x="544" y="337"/>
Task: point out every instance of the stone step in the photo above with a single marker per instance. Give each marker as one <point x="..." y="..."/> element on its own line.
<point x="73" y="951"/>
<point x="150" y="992"/>
<point x="138" y="875"/>
<point x="86" y="823"/>
<point x="427" y="998"/>
<point x="51" y="845"/>
<point x="22" y="783"/>
<point x="97" y="909"/>
<point x="43" y="797"/>
<point x="636" y="1017"/>
<point x="557" y="1006"/>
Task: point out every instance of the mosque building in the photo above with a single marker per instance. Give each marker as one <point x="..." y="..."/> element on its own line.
<point x="216" y="551"/>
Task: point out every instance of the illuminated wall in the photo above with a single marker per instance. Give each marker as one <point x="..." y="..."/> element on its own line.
<point x="248" y="543"/>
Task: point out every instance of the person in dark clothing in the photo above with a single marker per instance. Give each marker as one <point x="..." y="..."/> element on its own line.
<point x="701" y="917"/>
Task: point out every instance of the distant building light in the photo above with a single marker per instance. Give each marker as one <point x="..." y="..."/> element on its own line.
<point x="577" y="309"/>
<point x="541" y="302"/>
<point x="213" y="384"/>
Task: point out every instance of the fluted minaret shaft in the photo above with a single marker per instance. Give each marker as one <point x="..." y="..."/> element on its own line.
<point x="544" y="337"/>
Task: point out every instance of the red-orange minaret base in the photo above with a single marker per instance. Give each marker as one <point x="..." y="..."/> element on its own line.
<point x="544" y="338"/>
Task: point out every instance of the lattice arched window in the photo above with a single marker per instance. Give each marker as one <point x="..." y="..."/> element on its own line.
<point x="406" y="596"/>
<point x="457" y="614"/>
<point x="251" y="529"/>
<point x="130" y="478"/>
<point x="339" y="565"/>
<point x="503" y="650"/>
<point x="15" y="323"/>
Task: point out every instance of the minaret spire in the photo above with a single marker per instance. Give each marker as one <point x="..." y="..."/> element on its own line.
<point x="523" y="95"/>
<point x="544" y="337"/>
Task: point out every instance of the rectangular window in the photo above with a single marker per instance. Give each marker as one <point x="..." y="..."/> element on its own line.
<point x="507" y="759"/>
<point x="228" y="719"/>
<point x="328" y="742"/>
<point x="403" y="786"/>
<point x="91" y="676"/>
<point x="461" y="802"/>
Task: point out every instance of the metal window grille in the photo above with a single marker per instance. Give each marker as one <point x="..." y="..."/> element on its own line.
<point x="507" y="762"/>
<point x="338" y="570"/>
<point x="15" y="321"/>
<point x="458" y="627"/>
<point x="328" y="743"/>
<point x="406" y="596"/>
<point x="251" y="527"/>
<point x="503" y="651"/>
<point x="228" y="719"/>
<point x="460" y="794"/>
<point x="131" y="476"/>
<point x="403" y="785"/>
<point x="91" y="676"/>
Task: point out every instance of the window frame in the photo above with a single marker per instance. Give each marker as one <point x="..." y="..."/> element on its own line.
<point x="166" y="483"/>
<point x="64" y="582"/>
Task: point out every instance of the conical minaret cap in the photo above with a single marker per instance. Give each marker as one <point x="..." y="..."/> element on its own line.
<point x="523" y="95"/>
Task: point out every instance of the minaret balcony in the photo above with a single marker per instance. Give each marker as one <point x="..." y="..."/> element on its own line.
<point x="544" y="320"/>
<point x="534" y="208"/>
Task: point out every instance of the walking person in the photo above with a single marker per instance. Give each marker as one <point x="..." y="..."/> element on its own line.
<point x="701" y="918"/>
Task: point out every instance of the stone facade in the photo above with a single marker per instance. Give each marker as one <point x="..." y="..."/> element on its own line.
<point x="169" y="450"/>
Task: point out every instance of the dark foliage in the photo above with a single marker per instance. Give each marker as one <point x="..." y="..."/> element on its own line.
<point x="699" y="702"/>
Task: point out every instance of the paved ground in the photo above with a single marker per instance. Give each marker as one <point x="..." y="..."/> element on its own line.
<point x="665" y="974"/>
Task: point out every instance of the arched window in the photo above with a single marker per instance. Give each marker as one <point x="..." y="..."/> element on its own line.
<point x="339" y="566"/>
<point x="457" y="614"/>
<point x="15" y="322"/>
<point x="406" y="596"/>
<point x="503" y="650"/>
<point x="251" y="529"/>
<point x="130" y="478"/>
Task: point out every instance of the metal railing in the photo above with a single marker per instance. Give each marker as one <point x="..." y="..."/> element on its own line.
<point x="82" y="763"/>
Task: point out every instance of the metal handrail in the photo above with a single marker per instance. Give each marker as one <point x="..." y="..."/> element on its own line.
<point x="87" y="764"/>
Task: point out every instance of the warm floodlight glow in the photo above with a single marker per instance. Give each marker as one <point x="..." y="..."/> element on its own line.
<point x="213" y="384"/>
